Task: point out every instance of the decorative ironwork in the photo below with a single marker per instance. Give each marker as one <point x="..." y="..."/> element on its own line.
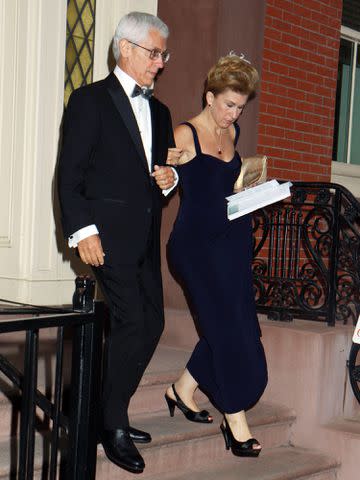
<point x="307" y="255"/>
<point x="80" y="34"/>
<point x="354" y="369"/>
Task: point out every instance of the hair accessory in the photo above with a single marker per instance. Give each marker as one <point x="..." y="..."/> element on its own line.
<point x="241" y="56"/>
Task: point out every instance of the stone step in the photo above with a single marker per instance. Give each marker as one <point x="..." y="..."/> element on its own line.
<point x="177" y="442"/>
<point x="10" y="400"/>
<point x="9" y="462"/>
<point x="12" y="347"/>
<point x="165" y="367"/>
<point x="350" y="426"/>
<point x="284" y="463"/>
<point x="343" y="434"/>
<point x="174" y="440"/>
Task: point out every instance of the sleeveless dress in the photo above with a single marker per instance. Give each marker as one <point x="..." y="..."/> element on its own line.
<point x="211" y="256"/>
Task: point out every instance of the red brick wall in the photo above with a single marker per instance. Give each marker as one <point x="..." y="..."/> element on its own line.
<point x="298" y="87"/>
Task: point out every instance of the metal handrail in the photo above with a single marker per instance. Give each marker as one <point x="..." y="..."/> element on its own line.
<point x="19" y="308"/>
<point x="307" y="255"/>
<point x="77" y="426"/>
<point x="353" y="365"/>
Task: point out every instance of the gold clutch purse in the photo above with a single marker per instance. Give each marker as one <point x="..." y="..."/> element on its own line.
<point x="253" y="172"/>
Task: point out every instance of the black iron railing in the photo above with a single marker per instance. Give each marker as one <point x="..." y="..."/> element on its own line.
<point x="71" y="432"/>
<point x="353" y="365"/>
<point x="307" y="255"/>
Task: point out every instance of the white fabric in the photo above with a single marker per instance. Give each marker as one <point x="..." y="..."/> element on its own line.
<point x="79" y="235"/>
<point x="141" y="109"/>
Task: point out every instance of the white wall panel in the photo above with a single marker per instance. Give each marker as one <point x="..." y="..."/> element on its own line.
<point x="8" y="33"/>
<point x="48" y="114"/>
<point x="35" y="265"/>
<point x="32" y="50"/>
<point x="108" y="14"/>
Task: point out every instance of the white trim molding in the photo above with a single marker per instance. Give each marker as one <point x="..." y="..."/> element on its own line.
<point x="349" y="33"/>
<point x="346" y="175"/>
<point x="9" y="27"/>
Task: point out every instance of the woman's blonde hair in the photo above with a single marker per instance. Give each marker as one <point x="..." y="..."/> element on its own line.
<point x="233" y="72"/>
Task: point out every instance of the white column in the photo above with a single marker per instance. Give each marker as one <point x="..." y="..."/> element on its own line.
<point x="34" y="261"/>
<point x="32" y="49"/>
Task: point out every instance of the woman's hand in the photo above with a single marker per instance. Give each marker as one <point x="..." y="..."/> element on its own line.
<point x="173" y="156"/>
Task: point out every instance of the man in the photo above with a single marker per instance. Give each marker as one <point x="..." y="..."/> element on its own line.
<point x="115" y="135"/>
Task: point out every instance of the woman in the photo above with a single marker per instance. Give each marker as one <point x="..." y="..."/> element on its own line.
<point x="212" y="256"/>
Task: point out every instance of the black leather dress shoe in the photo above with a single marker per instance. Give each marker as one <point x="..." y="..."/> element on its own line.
<point x="139" y="436"/>
<point x="120" y="449"/>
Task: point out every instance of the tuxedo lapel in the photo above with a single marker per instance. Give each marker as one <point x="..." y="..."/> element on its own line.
<point x="123" y="106"/>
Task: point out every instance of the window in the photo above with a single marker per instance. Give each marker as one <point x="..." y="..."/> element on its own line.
<point x="347" y="111"/>
<point x="80" y="33"/>
<point x="346" y="147"/>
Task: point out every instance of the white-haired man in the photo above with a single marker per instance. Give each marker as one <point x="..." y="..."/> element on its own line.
<point x="112" y="174"/>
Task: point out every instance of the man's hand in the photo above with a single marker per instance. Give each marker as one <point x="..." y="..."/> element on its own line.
<point x="90" y="251"/>
<point x="164" y="177"/>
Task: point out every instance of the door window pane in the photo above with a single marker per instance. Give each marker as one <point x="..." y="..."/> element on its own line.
<point x="80" y="33"/>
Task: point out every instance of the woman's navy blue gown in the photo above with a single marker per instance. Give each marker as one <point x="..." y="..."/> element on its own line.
<point x="212" y="256"/>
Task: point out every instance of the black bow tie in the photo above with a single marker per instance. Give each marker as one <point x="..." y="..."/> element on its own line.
<point x="143" y="91"/>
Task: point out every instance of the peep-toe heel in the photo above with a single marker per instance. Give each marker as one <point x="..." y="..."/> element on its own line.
<point x="199" y="417"/>
<point x="240" y="449"/>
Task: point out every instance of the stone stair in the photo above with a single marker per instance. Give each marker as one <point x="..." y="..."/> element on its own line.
<point x="180" y="449"/>
<point x="185" y="450"/>
<point x="12" y="347"/>
<point x="273" y="464"/>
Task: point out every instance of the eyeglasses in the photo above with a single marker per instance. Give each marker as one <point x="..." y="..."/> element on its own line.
<point x="155" y="53"/>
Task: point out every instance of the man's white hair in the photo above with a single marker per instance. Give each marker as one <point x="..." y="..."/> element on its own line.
<point x="135" y="27"/>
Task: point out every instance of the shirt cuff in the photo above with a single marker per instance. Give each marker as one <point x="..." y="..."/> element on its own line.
<point x="168" y="190"/>
<point x="79" y="235"/>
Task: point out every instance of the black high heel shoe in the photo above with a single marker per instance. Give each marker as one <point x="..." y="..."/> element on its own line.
<point x="200" y="417"/>
<point x="240" y="449"/>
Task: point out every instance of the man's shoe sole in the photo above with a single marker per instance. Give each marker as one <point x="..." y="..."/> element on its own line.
<point x="123" y="465"/>
<point x="139" y="440"/>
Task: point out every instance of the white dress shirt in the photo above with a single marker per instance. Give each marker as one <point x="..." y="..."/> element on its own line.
<point x="141" y="109"/>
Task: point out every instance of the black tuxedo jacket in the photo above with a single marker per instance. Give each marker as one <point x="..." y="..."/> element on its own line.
<point x="103" y="173"/>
